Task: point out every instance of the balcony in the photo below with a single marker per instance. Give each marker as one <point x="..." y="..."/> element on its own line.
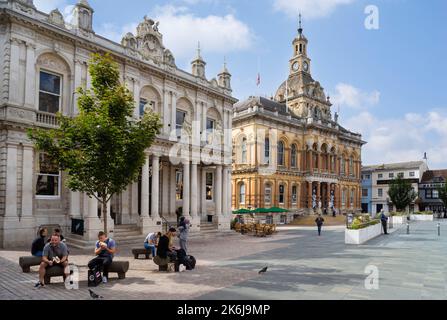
<point x="47" y="119"/>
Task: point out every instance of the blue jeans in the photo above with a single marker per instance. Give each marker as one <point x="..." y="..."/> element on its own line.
<point x="148" y="246"/>
<point x="38" y="254"/>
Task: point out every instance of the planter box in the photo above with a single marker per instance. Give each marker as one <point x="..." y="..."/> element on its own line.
<point x="361" y="236"/>
<point x="396" y="220"/>
<point x="421" y="217"/>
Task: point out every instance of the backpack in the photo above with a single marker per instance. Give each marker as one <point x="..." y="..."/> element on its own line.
<point x="190" y="262"/>
<point x="94" y="277"/>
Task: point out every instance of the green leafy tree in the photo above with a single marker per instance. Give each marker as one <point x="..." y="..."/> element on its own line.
<point x="401" y="193"/>
<point x="443" y="194"/>
<point x="103" y="148"/>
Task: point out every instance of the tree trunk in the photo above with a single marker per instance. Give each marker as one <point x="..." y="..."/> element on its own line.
<point x="104" y="214"/>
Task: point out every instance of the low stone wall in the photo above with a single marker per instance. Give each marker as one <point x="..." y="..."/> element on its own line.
<point x="421" y="217"/>
<point x="361" y="236"/>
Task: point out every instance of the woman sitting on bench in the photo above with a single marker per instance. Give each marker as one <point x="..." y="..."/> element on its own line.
<point x="164" y="251"/>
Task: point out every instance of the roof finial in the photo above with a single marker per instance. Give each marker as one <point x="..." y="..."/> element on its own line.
<point x="198" y="48"/>
<point x="300" y="29"/>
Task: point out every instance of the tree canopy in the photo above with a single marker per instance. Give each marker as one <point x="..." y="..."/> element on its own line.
<point x="401" y="193"/>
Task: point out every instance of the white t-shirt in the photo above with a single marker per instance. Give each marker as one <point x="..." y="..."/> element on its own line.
<point x="151" y="237"/>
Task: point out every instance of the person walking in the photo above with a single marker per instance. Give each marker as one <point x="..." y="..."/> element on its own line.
<point x="384" y="220"/>
<point x="319" y="221"/>
<point x="183" y="229"/>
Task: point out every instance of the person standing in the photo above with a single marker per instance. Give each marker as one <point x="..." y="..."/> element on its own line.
<point x="183" y="229"/>
<point x="384" y="220"/>
<point x="319" y="221"/>
<point x="105" y="248"/>
<point x="39" y="243"/>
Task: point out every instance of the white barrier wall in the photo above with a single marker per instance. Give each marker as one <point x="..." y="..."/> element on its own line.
<point x="361" y="236"/>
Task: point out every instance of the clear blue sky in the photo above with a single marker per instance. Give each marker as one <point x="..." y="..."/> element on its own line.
<point x="390" y="84"/>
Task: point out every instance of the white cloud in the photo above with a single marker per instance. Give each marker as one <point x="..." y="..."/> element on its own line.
<point x="403" y="139"/>
<point x="352" y="97"/>
<point x="48" y="5"/>
<point x="310" y="9"/>
<point x="182" y="30"/>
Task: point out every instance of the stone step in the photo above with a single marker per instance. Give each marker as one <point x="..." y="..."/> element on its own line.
<point x="124" y="233"/>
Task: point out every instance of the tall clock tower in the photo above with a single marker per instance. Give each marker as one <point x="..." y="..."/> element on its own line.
<point x="300" y="60"/>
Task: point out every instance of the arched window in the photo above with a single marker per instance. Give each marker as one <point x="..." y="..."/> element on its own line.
<point x="242" y="193"/>
<point x="281" y="194"/>
<point x="267" y="151"/>
<point x="244" y="151"/>
<point x="293" y="156"/>
<point x="342" y="165"/>
<point x="268" y="194"/>
<point x="294" y="194"/>
<point x="281" y="153"/>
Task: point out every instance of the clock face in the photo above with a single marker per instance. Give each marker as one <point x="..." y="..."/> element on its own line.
<point x="306" y="66"/>
<point x="295" y="66"/>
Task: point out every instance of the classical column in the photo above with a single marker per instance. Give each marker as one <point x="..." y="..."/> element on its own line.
<point x="125" y="207"/>
<point x="309" y="195"/>
<point x="194" y="193"/>
<point x="11" y="181"/>
<point x="218" y="199"/>
<point x="136" y="94"/>
<point x="173" y="134"/>
<point x="155" y="199"/>
<point x="14" y="78"/>
<point x="225" y="204"/>
<point x="166" y="115"/>
<point x="172" y="192"/>
<point x="145" y="189"/>
<point x="30" y="76"/>
<point x="27" y="183"/>
<point x="204" y="210"/>
<point x="186" y="190"/>
<point x="76" y="84"/>
<point x="165" y="192"/>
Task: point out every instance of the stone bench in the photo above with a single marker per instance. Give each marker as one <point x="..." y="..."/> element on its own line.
<point x="27" y="262"/>
<point x="163" y="264"/>
<point x="119" y="267"/>
<point x="137" y="252"/>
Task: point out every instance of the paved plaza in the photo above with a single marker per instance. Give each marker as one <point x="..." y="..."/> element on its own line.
<point x="301" y="266"/>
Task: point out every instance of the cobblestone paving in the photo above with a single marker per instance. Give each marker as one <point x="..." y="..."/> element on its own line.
<point x="301" y="266"/>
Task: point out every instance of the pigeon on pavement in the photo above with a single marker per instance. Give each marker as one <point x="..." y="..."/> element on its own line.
<point x="94" y="295"/>
<point x="263" y="270"/>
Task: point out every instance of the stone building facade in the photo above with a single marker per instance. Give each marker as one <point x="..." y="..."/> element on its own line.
<point x="290" y="152"/>
<point x="43" y="60"/>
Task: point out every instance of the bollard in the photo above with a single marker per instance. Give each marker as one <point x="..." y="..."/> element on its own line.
<point x="408" y="228"/>
<point x="439" y="229"/>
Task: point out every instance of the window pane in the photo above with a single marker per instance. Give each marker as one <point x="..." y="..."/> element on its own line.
<point x="209" y="124"/>
<point x="47" y="185"/>
<point x="209" y="186"/>
<point x="47" y="166"/>
<point x="180" y="118"/>
<point x="48" y="102"/>
<point x="50" y="83"/>
<point x="143" y="103"/>
<point x="268" y="195"/>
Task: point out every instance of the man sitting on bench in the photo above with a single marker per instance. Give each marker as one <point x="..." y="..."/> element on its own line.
<point x="104" y="250"/>
<point x="151" y="241"/>
<point x="55" y="253"/>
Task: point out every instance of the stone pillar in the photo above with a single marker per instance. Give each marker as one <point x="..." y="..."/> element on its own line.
<point x="195" y="219"/>
<point x="204" y="211"/>
<point x="125" y="206"/>
<point x="173" y="194"/>
<point x="165" y="192"/>
<point x="173" y="134"/>
<point x="309" y="196"/>
<point x="225" y="204"/>
<point x="30" y="76"/>
<point x="28" y="182"/>
<point x="186" y="190"/>
<point x="145" y="220"/>
<point x="166" y="115"/>
<point x="155" y="196"/>
<point x="218" y="183"/>
<point x="92" y="223"/>
<point x="136" y="95"/>
<point x="223" y="219"/>
<point x="77" y="84"/>
<point x="14" y="77"/>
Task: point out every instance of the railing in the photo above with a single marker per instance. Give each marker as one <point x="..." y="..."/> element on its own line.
<point x="49" y="119"/>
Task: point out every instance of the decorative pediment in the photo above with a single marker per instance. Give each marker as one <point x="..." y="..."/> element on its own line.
<point x="56" y="18"/>
<point x="148" y="42"/>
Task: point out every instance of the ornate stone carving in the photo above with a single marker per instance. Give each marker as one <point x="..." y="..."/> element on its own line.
<point x="52" y="62"/>
<point x="56" y="18"/>
<point x="149" y="43"/>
